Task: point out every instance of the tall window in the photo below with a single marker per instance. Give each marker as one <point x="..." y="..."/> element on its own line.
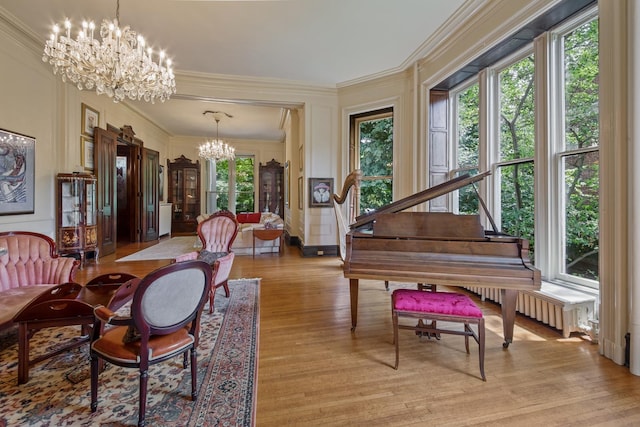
<point x="578" y="159"/>
<point x="514" y="165"/>
<point x="233" y="185"/>
<point x="372" y="153"/>
<point x="561" y="167"/>
<point x="467" y="118"/>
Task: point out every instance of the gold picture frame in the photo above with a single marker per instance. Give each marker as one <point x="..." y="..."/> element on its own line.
<point x="86" y="146"/>
<point x="90" y="120"/>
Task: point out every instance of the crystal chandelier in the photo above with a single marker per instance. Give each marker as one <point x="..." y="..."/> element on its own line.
<point x="216" y="149"/>
<point x="118" y="66"/>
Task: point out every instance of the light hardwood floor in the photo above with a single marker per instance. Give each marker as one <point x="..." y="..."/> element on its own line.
<point x="313" y="371"/>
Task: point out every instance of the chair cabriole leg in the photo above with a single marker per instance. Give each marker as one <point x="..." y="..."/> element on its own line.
<point x="94" y="383"/>
<point x="481" y="338"/>
<point x="144" y="377"/>
<point x="194" y="374"/>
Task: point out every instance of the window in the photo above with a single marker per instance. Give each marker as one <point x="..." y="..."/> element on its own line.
<point x="577" y="150"/>
<point x="467" y="118"/>
<point x="514" y="168"/>
<point x="372" y="153"/>
<point x="555" y="175"/>
<point x="232" y="185"/>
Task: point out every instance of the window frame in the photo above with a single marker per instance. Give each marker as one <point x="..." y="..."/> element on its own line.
<point x="354" y="147"/>
<point x="549" y="151"/>
<point x="211" y="189"/>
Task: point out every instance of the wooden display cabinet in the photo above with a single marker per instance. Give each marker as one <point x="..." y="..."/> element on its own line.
<point x="184" y="194"/>
<point x="77" y="232"/>
<point x="272" y="188"/>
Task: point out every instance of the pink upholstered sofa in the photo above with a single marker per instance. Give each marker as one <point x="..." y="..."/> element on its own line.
<point x="29" y="265"/>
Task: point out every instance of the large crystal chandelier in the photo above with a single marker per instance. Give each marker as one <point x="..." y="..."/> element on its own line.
<point x="118" y="66"/>
<point x="216" y="149"/>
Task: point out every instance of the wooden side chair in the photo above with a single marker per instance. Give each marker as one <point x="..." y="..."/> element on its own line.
<point x="217" y="234"/>
<point x="165" y="320"/>
<point x="438" y="306"/>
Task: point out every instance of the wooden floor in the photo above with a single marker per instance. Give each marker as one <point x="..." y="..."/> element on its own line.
<point x="313" y="371"/>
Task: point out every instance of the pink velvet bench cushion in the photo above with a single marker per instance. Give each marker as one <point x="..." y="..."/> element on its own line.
<point x="447" y="303"/>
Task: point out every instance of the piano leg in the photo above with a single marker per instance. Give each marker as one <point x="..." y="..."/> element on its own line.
<point x="509" y="300"/>
<point x="353" y="293"/>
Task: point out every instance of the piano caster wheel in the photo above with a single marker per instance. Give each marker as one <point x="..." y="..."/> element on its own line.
<point x="505" y="344"/>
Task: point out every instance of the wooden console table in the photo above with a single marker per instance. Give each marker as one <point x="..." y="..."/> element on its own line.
<point x="268" y="234"/>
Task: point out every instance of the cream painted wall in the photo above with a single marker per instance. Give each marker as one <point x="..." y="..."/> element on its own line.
<point x="29" y="105"/>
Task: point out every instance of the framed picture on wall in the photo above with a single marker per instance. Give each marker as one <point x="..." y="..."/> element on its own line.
<point x="320" y="190"/>
<point x="17" y="173"/>
<point x="90" y="119"/>
<point x="300" y="193"/>
<point x="86" y="145"/>
<point x="287" y="177"/>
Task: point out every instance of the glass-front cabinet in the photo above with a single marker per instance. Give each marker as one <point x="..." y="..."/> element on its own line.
<point x="184" y="194"/>
<point x="272" y="188"/>
<point x="77" y="232"/>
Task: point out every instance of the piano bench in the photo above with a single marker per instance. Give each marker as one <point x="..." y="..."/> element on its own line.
<point x="434" y="306"/>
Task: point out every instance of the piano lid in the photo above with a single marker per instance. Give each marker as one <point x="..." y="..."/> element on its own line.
<point x="420" y="197"/>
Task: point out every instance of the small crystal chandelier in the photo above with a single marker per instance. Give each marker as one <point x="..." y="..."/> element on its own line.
<point x="118" y="66"/>
<point x="216" y="149"/>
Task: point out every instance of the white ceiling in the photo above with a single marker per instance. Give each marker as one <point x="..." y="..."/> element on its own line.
<point x="317" y="42"/>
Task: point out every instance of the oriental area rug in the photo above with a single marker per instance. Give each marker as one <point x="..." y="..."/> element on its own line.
<point x="58" y="390"/>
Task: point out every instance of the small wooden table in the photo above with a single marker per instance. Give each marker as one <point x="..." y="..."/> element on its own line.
<point x="268" y="234"/>
<point x="67" y="304"/>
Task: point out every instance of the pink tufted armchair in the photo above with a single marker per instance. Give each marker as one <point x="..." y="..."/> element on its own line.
<point x="217" y="234"/>
<point x="29" y="267"/>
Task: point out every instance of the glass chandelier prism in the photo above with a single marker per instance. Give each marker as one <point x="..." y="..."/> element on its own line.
<point x="119" y="65"/>
<point x="216" y="149"/>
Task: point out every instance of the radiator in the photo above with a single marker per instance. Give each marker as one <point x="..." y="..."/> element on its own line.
<point x="564" y="309"/>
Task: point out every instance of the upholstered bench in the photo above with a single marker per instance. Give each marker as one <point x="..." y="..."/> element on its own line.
<point x="438" y="306"/>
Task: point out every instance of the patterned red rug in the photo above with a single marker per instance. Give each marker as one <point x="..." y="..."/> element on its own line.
<point x="58" y="391"/>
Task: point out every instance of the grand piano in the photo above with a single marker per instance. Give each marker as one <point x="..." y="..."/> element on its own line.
<point x="437" y="248"/>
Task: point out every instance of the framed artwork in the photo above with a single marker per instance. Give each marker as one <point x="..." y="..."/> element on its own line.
<point x="300" y="194"/>
<point x="86" y="145"/>
<point x="17" y="173"/>
<point x="320" y="190"/>
<point x="90" y="119"/>
<point x="287" y="177"/>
